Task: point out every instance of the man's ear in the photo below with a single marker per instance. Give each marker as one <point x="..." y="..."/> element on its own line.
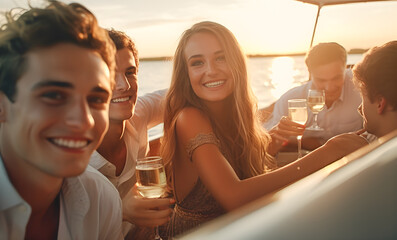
<point x="382" y="104"/>
<point x="3" y="102"/>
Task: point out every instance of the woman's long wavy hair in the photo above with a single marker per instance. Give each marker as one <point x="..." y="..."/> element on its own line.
<point x="245" y="147"/>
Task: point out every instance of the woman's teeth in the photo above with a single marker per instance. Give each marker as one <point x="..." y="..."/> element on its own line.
<point x="214" y="84"/>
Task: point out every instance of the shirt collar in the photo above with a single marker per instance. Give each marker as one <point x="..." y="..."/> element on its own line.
<point x="75" y="204"/>
<point x="108" y="169"/>
<point x="76" y="196"/>
<point x="97" y="161"/>
<point x="9" y="195"/>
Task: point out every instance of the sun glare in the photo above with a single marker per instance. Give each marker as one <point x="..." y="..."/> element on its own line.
<point x="282" y="75"/>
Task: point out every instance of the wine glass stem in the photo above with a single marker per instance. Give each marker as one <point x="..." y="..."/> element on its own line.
<point x="315" y="120"/>
<point x="156" y="234"/>
<point x="299" y="138"/>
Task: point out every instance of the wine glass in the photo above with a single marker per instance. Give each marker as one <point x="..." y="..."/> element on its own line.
<point x="151" y="180"/>
<point x="297" y="112"/>
<point x="316" y="103"/>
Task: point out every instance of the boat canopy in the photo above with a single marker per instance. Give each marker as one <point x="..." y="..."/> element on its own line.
<point x="334" y="2"/>
<point x="321" y="3"/>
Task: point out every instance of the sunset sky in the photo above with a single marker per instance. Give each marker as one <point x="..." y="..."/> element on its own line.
<point x="261" y="26"/>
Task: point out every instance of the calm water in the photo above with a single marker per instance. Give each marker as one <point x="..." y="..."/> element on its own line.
<point x="270" y="77"/>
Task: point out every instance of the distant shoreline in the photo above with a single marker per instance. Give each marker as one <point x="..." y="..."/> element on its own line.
<point x="351" y="51"/>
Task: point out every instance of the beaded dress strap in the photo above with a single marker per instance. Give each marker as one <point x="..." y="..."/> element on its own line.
<point x="201" y="139"/>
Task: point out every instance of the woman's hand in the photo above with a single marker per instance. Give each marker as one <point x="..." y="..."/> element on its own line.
<point x="146" y="212"/>
<point x="283" y="132"/>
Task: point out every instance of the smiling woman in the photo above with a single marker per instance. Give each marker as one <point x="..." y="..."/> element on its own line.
<point x="218" y="85"/>
<point x="210" y="126"/>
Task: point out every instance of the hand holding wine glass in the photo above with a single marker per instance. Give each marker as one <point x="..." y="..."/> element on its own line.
<point x="297" y="112"/>
<point x="151" y="179"/>
<point x="316" y="103"/>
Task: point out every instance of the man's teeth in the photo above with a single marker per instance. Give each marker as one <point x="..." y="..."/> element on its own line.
<point x="214" y="84"/>
<point x="123" y="99"/>
<point x="70" y="143"/>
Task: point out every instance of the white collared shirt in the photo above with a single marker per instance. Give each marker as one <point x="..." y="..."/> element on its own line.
<point x="148" y="113"/>
<point x="341" y="117"/>
<point x="90" y="208"/>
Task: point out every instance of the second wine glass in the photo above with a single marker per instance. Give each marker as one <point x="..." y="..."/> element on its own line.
<point x="151" y="180"/>
<point x="316" y="103"/>
<point x="297" y="112"/>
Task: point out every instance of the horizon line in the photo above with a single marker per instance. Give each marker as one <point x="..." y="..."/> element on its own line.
<point x="258" y="55"/>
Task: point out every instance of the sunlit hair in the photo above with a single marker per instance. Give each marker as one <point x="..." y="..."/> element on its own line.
<point x="324" y="53"/>
<point x="122" y="40"/>
<point x="376" y="73"/>
<point x="245" y="148"/>
<point x="45" y="27"/>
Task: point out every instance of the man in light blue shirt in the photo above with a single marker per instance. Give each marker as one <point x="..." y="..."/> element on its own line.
<point x="326" y="63"/>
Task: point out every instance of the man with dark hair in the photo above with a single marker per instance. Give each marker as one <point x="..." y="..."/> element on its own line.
<point x="326" y="63"/>
<point x="130" y="118"/>
<point x="376" y="77"/>
<point x="56" y="78"/>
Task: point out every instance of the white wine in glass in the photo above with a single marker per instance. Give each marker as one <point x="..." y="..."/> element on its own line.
<point x="297" y="112"/>
<point x="316" y="103"/>
<point x="151" y="180"/>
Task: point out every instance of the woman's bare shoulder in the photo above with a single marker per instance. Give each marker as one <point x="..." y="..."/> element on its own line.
<point x="191" y="122"/>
